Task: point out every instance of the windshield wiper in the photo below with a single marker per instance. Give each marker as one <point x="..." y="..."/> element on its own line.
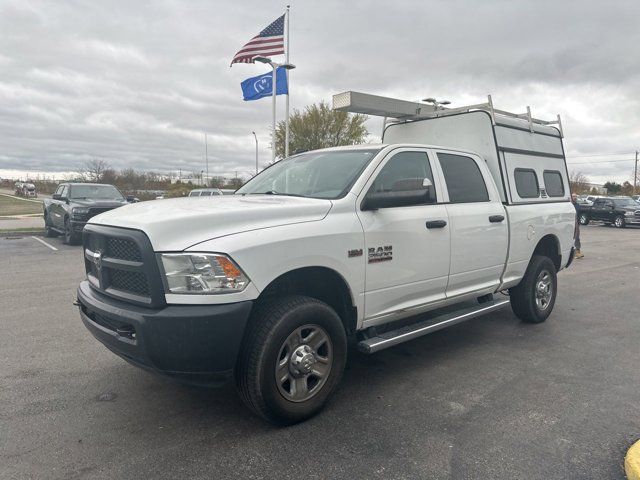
<point x="273" y="192"/>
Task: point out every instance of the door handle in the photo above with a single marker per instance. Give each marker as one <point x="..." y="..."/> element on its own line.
<point x="436" y="224"/>
<point x="496" y="218"/>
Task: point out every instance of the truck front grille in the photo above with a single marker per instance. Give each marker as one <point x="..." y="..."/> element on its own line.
<point x="123" y="249"/>
<point x="98" y="210"/>
<point x="126" y="281"/>
<point x="121" y="263"/>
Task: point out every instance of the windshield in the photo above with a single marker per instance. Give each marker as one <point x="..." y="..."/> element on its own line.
<point x="625" y="202"/>
<point x="95" y="192"/>
<point x="319" y="174"/>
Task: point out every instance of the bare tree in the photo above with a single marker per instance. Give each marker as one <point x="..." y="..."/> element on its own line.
<point x="578" y="182"/>
<point x="95" y="169"/>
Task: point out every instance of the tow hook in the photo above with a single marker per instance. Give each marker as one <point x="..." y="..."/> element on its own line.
<point x="76" y="303"/>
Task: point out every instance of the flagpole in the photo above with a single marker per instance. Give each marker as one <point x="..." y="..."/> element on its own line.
<point x="286" y="118"/>
<point x="273" y="111"/>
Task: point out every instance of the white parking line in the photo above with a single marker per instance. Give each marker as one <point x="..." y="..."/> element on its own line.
<point x="45" y="243"/>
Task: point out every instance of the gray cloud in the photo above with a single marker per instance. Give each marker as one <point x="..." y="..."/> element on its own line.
<point x="137" y="83"/>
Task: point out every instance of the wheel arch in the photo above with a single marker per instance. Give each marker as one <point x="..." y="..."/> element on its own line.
<point x="549" y="246"/>
<point x="322" y="283"/>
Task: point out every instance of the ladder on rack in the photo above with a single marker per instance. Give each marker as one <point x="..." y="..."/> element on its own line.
<point x="403" y="110"/>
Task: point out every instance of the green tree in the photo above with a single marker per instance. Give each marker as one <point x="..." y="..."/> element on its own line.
<point x="613" y="188"/>
<point x="318" y="126"/>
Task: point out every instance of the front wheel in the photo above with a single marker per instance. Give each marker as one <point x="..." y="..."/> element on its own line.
<point x="48" y="227"/>
<point x="619" y="222"/>
<point x="584" y="220"/>
<point x="70" y="237"/>
<point x="532" y="300"/>
<point x="291" y="359"/>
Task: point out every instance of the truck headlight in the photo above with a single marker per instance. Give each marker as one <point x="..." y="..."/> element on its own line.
<point x="202" y="273"/>
<point x="80" y="210"/>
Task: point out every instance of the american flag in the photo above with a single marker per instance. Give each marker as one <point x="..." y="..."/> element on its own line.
<point x="268" y="42"/>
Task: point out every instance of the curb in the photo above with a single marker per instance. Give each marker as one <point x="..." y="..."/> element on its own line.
<point x="632" y="462"/>
<point x="21" y="233"/>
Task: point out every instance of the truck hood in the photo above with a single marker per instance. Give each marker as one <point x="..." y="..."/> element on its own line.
<point x="98" y="203"/>
<point x="179" y="223"/>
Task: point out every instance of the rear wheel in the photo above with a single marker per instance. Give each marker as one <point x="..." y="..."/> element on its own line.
<point x="291" y="359"/>
<point x="533" y="299"/>
<point x="584" y="220"/>
<point x="619" y="222"/>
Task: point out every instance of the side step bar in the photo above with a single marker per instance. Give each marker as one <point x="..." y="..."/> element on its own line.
<point x="409" y="332"/>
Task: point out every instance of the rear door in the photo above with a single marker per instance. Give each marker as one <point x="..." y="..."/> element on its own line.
<point x="406" y="248"/>
<point x="478" y="224"/>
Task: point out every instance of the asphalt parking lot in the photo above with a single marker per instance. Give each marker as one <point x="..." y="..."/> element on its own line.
<point x="492" y="398"/>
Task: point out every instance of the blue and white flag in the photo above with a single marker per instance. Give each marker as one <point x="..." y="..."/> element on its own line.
<point x="257" y="87"/>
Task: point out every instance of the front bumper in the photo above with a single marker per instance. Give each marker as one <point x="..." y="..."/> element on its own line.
<point x="194" y="343"/>
<point x="77" y="225"/>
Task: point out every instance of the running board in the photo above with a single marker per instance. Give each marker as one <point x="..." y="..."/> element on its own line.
<point x="409" y="332"/>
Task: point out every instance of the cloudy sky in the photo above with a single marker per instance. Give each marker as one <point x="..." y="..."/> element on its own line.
<point x="136" y="83"/>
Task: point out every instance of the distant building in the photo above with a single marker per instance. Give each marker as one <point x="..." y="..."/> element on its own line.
<point x="194" y="180"/>
<point x="599" y="188"/>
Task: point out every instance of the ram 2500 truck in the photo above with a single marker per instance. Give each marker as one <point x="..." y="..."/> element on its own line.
<point x="72" y="204"/>
<point x="375" y="243"/>
<point x="617" y="211"/>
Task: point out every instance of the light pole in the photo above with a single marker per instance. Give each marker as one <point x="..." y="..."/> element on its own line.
<point x="206" y="155"/>
<point x="274" y="66"/>
<point x="256" y="137"/>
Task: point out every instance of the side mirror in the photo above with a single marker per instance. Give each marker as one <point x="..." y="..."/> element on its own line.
<point x="405" y="192"/>
<point x="376" y="200"/>
<point x="56" y="196"/>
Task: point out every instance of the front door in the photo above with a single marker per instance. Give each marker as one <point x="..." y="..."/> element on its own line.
<point x="603" y="210"/>
<point x="57" y="210"/>
<point x="407" y="248"/>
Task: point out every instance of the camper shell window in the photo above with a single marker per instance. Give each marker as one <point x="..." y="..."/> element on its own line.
<point x="526" y="183"/>
<point x="553" y="183"/>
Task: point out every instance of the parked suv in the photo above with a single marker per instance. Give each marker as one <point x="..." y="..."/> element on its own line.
<point x="205" y="192"/>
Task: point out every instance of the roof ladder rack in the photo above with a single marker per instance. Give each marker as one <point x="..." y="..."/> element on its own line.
<point x="403" y="110"/>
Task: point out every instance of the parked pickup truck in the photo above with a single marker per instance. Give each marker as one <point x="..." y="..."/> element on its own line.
<point x="378" y="244"/>
<point x="618" y="211"/>
<point x="72" y="204"/>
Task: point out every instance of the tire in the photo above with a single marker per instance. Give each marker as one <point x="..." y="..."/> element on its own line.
<point x="70" y="237"/>
<point x="274" y="342"/>
<point x="584" y="220"/>
<point x="531" y="300"/>
<point x="49" y="231"/>
<point x="619" y="222"/>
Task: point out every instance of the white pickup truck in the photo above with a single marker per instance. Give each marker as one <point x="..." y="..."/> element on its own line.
<point x="375" y="243"/>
